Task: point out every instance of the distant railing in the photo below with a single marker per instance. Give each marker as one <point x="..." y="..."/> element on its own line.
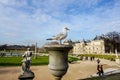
<point x="11" y="54"/>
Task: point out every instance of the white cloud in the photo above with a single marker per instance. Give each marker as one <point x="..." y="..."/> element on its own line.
<point x="5" y="1"/>
<point x="13" y="2"/>
<point x="40" y="19"/>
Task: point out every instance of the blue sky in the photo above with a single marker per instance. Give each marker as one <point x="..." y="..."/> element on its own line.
<point x="29" y="21"/>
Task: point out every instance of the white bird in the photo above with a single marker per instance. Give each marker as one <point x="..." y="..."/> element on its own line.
<point x="60" y="36"/>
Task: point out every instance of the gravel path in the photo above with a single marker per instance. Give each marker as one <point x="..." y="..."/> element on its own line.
<point x="77" y="70"/>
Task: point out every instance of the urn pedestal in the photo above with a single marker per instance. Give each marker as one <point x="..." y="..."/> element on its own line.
<point x="58" y="59"/>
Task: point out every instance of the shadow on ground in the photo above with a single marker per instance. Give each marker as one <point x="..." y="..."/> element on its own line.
<point x="115" y="76"/>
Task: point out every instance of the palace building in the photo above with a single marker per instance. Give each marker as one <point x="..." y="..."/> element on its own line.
<point x="99" y="45"/>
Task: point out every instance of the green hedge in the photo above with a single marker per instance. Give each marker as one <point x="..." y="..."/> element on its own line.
<point x="108" y="57"/>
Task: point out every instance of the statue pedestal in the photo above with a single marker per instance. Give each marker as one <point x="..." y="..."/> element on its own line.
<point x="27" y="76"/>
<point x="58" y="59"/>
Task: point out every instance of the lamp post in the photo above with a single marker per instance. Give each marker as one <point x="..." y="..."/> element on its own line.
<point x="35" y="51"/>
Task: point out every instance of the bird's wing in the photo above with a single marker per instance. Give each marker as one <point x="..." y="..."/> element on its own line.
<point x="58" y="36"/>
<point x="63" y="37"/>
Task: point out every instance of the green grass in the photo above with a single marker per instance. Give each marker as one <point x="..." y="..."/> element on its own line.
<point x="71" y="59"/>
<point x="8" y="61"/>
<point x="42" y="60"/>
<point x="16" y="61"/>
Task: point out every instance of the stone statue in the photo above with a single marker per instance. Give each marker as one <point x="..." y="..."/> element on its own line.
<point x="27" y="56"/>
<point x="26" y="62"/>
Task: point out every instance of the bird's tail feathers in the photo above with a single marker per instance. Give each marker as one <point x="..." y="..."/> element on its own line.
<point x="49" y="39"/>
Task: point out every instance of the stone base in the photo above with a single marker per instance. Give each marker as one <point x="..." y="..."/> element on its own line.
<point x="27" y="76"/>
<point x="58" y="78"/>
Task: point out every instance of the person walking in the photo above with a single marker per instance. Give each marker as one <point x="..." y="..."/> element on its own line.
<point x="101" y="70"/>
<point x="98" y="69"/>
<point x="98" y="60"/>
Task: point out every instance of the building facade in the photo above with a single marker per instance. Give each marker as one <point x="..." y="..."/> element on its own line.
<point x="99" y="45"/>
<point x="96" y="47"/>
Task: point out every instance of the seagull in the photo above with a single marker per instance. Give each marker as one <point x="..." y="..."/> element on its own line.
<point x="60" y="36"/>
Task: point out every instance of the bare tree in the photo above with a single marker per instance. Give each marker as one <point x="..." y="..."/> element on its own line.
<point x="113" y="36"/>
<point x="114" y="39"/>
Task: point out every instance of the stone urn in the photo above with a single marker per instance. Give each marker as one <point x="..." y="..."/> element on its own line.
<point x="58" y="59"/>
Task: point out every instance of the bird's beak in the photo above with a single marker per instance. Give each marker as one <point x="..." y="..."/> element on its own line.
<point x="67" y="29"/>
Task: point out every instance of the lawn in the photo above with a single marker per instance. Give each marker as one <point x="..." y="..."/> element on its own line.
<point x="16" y="61"/>
<point x="71" y="59"/>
